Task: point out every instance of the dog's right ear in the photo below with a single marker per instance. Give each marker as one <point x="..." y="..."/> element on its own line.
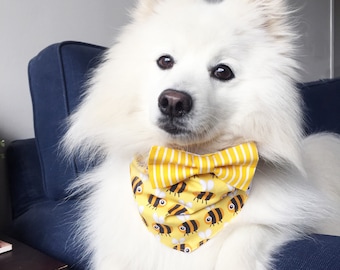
<point x="144" y="8"/>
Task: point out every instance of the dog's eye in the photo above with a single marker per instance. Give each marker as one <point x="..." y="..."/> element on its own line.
<point x="222" y="72"/>
<point x="165" y="62"/>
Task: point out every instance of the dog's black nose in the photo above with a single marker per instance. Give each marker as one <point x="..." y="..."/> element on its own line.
<point x="174" y="103"/>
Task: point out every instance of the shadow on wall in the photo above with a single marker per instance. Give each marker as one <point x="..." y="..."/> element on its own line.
<point x="5" y="210"/>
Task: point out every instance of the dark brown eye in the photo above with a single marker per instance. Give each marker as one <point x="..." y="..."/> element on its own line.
<point x="222" y="72"/>
<point x="165" y="62"/>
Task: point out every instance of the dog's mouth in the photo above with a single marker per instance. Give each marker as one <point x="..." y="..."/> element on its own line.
<point x="174" y="127"/>
<point x="184" y="134"/>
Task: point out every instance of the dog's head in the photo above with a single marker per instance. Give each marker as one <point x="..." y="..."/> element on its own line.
<point x="200" y="75"/>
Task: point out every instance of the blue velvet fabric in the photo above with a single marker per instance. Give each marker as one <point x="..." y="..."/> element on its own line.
<point x="322" y="105"/>
<point x="319" y="252"/>
<point x="24" y="175"/>
<point x="57" y="76"/>
<point x="49" y="226"/>
<point x="38" y="174"/>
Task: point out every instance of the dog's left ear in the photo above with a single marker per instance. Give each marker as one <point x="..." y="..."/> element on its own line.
<point x="271" y="7"/>
<point x="275" y="16"/>
<point x="144" y="8"/>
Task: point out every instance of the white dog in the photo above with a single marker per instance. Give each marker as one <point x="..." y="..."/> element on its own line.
<point x="202" y="76"/>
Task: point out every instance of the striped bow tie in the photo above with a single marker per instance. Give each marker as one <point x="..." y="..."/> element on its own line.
<point x="235" y="166"/>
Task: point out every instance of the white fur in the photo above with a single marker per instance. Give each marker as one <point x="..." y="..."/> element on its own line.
<point x="296" y="187"/>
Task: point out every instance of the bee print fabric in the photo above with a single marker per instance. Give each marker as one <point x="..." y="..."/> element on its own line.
<point x="185" y="199"/>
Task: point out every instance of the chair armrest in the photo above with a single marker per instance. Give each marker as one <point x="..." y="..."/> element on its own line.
<point x="24" y="174"/>
<point x="315" y="252"/>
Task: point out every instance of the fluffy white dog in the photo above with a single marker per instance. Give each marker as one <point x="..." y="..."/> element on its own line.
<point x="202" y="76"/>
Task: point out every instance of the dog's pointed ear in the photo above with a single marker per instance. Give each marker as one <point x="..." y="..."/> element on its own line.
<point x="271" y="6"/>
<point x="144" y="8"/>
<point x="275" y="14"/>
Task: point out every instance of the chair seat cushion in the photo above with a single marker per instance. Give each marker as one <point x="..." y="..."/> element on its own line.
<point x="50" y="227"/>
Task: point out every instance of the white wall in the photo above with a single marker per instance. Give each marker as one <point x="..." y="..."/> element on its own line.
<point x="314" y="26"/>
<point x="26" y="27"/>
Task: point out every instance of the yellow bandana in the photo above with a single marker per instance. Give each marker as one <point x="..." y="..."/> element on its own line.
<point x="185" y="199"/>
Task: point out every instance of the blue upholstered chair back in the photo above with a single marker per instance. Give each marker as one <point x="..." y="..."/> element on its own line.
<point x="57" y="76"/>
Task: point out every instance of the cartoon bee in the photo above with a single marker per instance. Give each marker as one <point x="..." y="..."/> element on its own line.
<point x="235" y="204"/>
<point x="205" y="195"/>
<point x="189" y="226"/>
<point x="157" y="200"/>
<point x="161" y="228"/>
<point x="181" y="246"/>
<point x="178" y="188"/>
<point x="214" y="216"/>
<point x="178" y="209"/>
<point x="137" y="185"/>
<point x="205" y="237"/>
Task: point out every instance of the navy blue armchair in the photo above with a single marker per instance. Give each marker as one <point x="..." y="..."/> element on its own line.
<point x="44" y="217"/>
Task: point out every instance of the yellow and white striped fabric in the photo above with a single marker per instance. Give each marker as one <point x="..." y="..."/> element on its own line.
<point x="235" y="166"/>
